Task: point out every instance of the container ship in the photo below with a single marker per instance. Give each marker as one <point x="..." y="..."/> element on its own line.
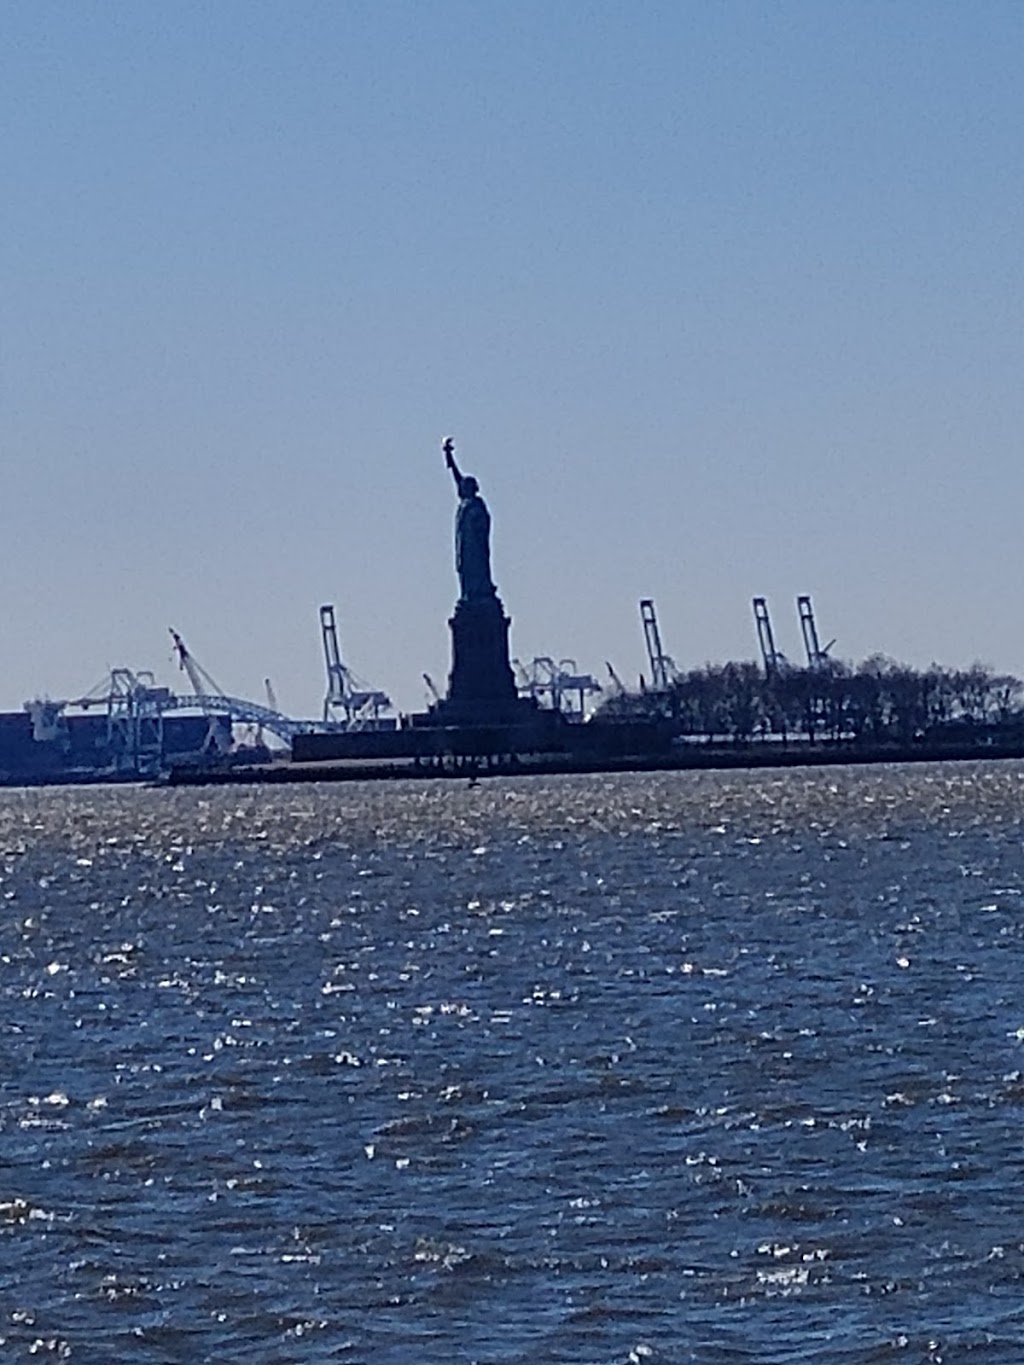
<point x="44" y="744"/>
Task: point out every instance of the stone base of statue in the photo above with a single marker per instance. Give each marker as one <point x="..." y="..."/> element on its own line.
<point x="481" y="686"/>
<point x="483" y="716"/>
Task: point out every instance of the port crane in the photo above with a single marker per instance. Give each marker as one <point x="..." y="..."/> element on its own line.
<point x="618" y="686"/>
<point x="360" y="706"/>
<point x="560" y="686"/>
<point x="775" y="662"/>
<point x="817" y="654"/>
<point x="135" y="720"/>
<point x="135" y="707"/>
<point x="524" y="679"/>
<point x="208" y="697"/>
<point x="574" y="687"/>
<point x="663" y="669"/>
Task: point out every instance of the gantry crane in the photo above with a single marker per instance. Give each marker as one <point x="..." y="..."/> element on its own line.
<point x="204" y="689"/>
<point x="573" y="688"/>
<point x="663" y="669"/>
<point x="774" y="660"/>
<point x="618" y="686"/>
<point x="817" y="654"/>
<point x="202" y="684"/>
<point x="559" y="686"/>
<point x="209" y="698"/>
<point x="360" y="706"/>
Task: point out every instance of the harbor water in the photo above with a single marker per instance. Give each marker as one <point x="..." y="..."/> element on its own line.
<point x="711" y="1067"/>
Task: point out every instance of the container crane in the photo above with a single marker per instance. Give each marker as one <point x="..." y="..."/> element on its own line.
<point x="663" y="669"/>
<point x="775" y="661"/>
<point x="558" y="686"/>
<point x="619" y="687"/>
<point x="817" y="654"/>
<point x="204" y="689"/>
<point x="202" y="684"/>
<point x="574" y="687"/>
<point x="360" y="706"/>
<point x="134" y="706"/>
<point x="524" y="682"/>
<point x="541" y="680"/>
<point x="208" y="697"/>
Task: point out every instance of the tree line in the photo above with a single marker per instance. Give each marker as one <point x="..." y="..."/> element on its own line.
<point x="877" y="701"/>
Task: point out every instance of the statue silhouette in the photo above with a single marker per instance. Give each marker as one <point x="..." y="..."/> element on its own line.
<point x="472" y="535"/>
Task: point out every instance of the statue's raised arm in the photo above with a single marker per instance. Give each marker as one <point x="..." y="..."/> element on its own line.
<point x="448" y="446"/>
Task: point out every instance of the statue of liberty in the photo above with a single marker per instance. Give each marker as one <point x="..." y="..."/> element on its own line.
<point x="481" y="684"/>
<point x="472" y="535"/>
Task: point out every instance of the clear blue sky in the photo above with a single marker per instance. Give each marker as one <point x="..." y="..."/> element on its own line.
<point x="716" y="298"/>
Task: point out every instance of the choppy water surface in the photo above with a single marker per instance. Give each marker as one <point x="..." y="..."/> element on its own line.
<point x="716" y="1067"/>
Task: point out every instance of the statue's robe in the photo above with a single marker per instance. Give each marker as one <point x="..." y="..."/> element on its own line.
<point x="473" y="549"/>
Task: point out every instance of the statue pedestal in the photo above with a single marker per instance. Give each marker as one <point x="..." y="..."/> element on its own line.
<point x="481" y="680"/>
<point x="483" y="717"/>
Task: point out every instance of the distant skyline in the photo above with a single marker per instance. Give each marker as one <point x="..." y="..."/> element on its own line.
<point x="718" y="299"/>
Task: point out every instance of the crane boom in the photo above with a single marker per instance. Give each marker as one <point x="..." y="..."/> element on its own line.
<point x="774" y="661"/>
<point x="661" y="665"/>
<point x="332" y="657"/>
<point x="202" y="683"/>
<point x="817" y="653"/>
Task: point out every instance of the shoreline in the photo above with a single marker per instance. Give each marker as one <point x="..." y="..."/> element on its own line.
<point x="699" y="759"/>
